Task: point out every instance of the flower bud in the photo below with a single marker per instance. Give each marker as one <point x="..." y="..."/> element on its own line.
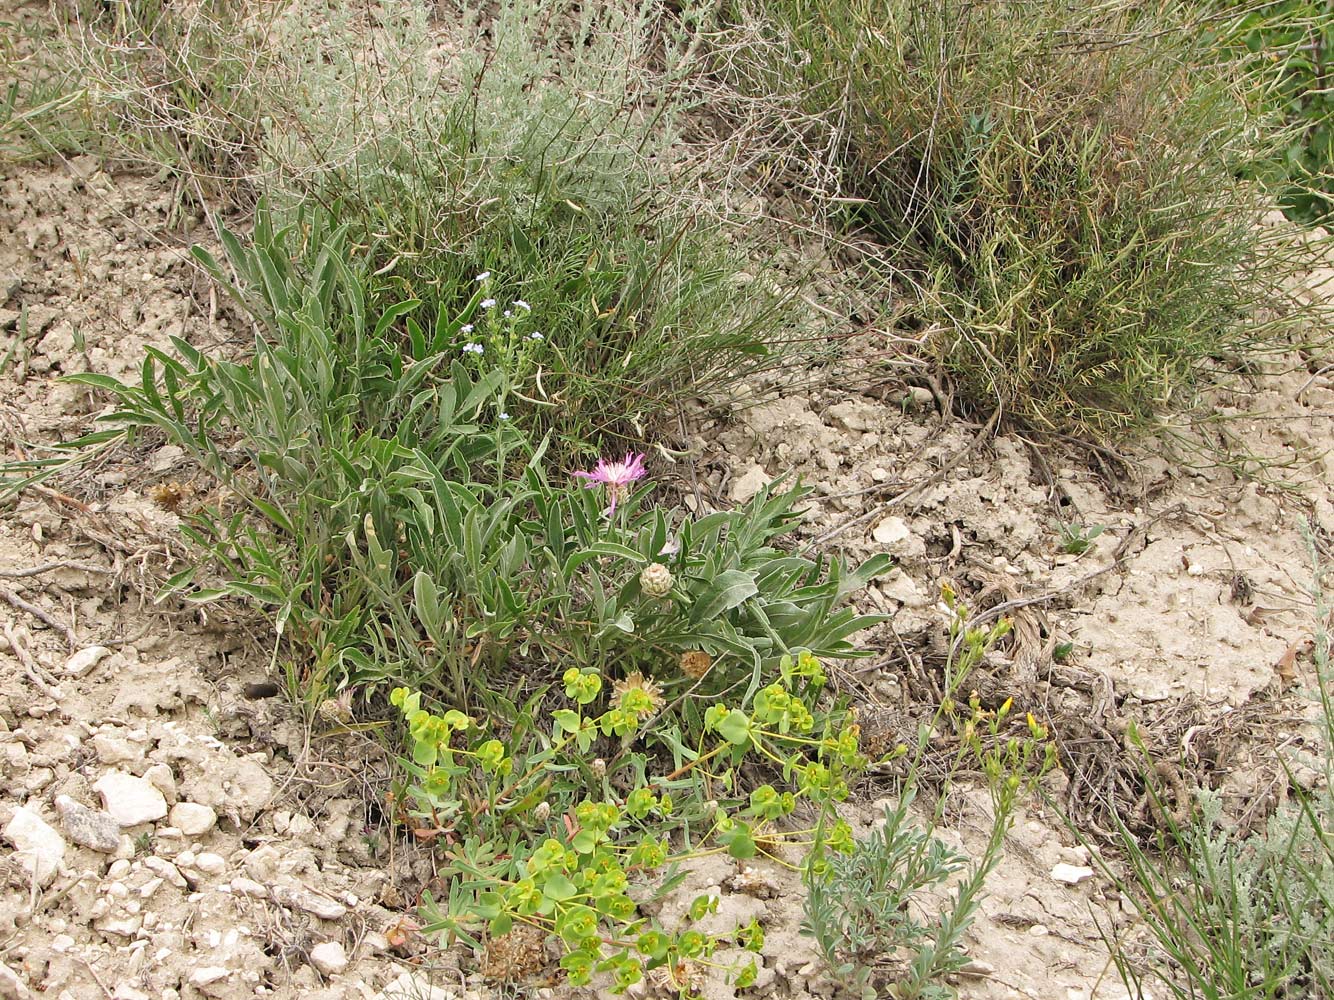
<point x="655" y="580"/>
<point x="542" y="811"/>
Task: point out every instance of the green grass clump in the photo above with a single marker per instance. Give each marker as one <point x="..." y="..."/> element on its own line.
<point x="1058" y="184"/>
<point x="540" y="155"/>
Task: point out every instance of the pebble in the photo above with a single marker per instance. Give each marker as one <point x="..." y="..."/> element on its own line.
<point x="330" y="958"/>
<point x="1071" y="874"/>
<point x="192" y="819"/>
<point x="11" y="986"/>
<point x="891" y="530"/>
<point x="130" y="800"/>
<point x="208" y="975"/>
<point x="118" y="869"/>
<point x="88" y="827"/>
<point x="248" y="887"/>
<point x="161" y="777"/>
<point x="210" y="864"/>
<point x="114" y="750"/>
<point x="165" y="869"/>
<point x="749" y="483"/>
<point x="40" y="849"/>
<point x="304" y="899"/>
<point x="85" y="659"/>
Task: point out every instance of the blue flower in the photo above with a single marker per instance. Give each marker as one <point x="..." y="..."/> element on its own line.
<point x="536" y="336"/>
<point x="503" y="415"/>
<point x="488" y="303"/>
<point x="466" y="328"/>
<point x="521" y="304"/>
<point x="473" y="348"/>
<point x="483" y="276"/>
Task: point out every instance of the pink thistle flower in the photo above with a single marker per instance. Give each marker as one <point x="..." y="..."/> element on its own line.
<point x="616" y="476"/>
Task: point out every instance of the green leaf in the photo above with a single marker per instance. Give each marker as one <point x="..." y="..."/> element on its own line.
<point x="735" y="728"/>
<point x="559" y="888"/>
<point x="728" y="590"/>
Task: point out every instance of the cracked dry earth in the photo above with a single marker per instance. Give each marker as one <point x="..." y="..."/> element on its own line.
<point x="173" y="830"/>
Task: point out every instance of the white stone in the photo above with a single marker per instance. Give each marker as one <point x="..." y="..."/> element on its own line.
<point x="210" y="864"/>
<point x="208" y="975"/>
<point x="192" y="819"/>
<point x="330" y="958"/>
<point x="890" y="530"/>
<point x="749" y="483"/>
<point x="165" y="869"/>
<point x="160" y="776"/>
<point x="11" y="985"/>
<point x="1071" y="874"/>
<point x="85" y="659"/>
<point x="114" y="750"/>
<point x="130" y="800"/>
<point x="248" y="887"/>
<point x="40" y="849"/>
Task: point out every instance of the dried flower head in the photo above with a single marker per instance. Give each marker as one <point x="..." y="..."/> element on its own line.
<point x="515" y="955"/>
<point x="169" y="496"/>
<point x="695" y="663"/>
<point x="616" y="476"/>
<point x="637" y="693"/>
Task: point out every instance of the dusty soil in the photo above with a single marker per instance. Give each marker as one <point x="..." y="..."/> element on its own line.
<point x="246" y="856"/>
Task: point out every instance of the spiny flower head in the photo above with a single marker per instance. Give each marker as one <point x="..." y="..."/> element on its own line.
<point x="616" y="476"/>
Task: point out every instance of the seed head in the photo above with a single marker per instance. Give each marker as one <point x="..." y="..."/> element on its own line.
<point x="695" y="663"/>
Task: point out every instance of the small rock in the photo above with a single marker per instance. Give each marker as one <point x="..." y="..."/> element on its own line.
<point x="85" y="659"/>
<point x="124" y="925"/>
<point x="210" y="864"/>
<point x="127" y="992"/>
<point x="11" y="986"/>
<point x="40" y="849"/>
<point x="1039" y="930"/>
<point x="248" y="887"/>
<point x="304" y="899"/>
<point x="118" y="869"/>
<point x="891" y="530"/>
<point x="208" y="975"/>
<point x="10" y="285"/>
<point x="130" y="800"/>
<point x="192" y="819"/>
<point x="113" y="750"/>
<point x="168" y="871"/>
<point x="920" y="395"/>
<point x="88" y="827"/>
<point x="160" y="776"/>
<point x="330" y="958"/>
<point x="749" y="483"/>
<point x="1071" y="874"/>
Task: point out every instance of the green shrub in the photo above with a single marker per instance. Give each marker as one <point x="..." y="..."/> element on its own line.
<point x="1057" y="183"/>
<point x="1287" y="47"/>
